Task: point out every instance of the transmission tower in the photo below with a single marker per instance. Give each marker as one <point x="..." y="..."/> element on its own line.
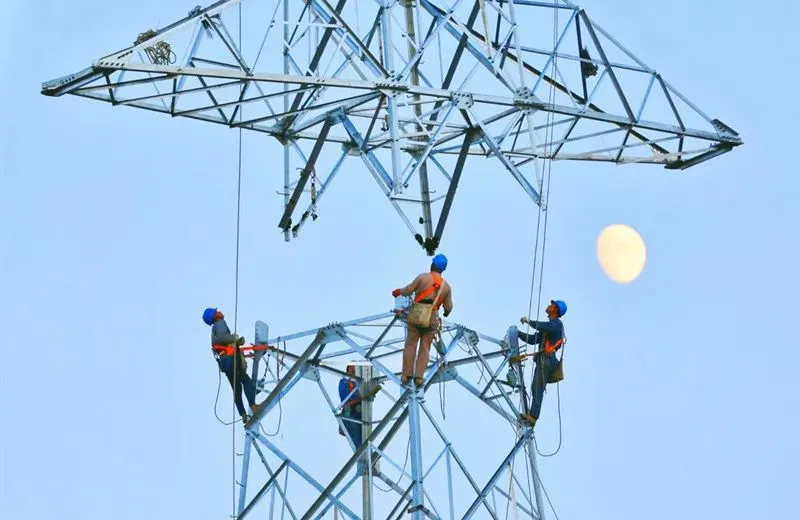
<point x="412" y="89"/>
<point x="405" y="446"/>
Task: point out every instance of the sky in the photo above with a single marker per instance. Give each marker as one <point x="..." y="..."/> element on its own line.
<point x="118" y="229"/>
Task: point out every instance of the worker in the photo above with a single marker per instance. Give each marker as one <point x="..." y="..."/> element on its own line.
<point x="351" y="409"/>
<point x="223" y="345"/>
<point x="550" y="334"/>
<point x="428" y="289"/>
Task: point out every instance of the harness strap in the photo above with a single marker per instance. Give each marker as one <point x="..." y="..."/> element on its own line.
<point x="437" y="284"/>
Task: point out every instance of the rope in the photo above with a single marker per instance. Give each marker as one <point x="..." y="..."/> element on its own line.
<point x="236" y="298"/>
<point x="541" y="229"/>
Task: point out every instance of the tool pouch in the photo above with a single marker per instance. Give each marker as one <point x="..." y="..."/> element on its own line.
<point x="557" y="374"/>
<point x="421" y="314"/>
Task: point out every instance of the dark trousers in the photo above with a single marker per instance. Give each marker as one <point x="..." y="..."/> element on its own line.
<point x="541" y="373"/>
<point x="545" y="363"/>
<point x="353" y="413"/>
<point x="243" y="381"/>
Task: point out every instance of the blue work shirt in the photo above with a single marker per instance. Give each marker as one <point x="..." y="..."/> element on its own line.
<point x="346" y="385"/>
<point x="221" y="334"/>
<point x="552" y="331"/>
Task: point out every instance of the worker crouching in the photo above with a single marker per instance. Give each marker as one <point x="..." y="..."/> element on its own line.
<point x="550" y="335"/>
<point x="231" y="362"/>
<point x="430" y="291"/>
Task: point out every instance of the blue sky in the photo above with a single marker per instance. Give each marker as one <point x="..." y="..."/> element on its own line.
<point x="118" y="227"/>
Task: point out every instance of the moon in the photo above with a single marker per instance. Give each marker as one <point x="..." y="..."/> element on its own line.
<point x="621" y="253"/>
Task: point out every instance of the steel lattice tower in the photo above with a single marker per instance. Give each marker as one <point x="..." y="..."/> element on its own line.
<point x="411" y="88"/>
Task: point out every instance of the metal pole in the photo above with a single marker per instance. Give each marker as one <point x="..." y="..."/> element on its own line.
<point x="424" y="186"/>
<point x="417" y="496"/>
<point x="365" y="373"/>
<point x="537" y="485"/>
<point x="286" y="160"/>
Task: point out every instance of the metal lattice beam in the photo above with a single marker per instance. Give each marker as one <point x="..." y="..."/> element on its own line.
<point x="440" y="478"/>
<point x="409" y="80"/>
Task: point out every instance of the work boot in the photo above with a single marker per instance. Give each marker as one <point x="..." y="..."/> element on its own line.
<point x="418" y="381"/>
<point x="245" y="418"/>
<point x="404" y="379"/>
<point x="530" y="419"/>
<point x="256" y="408"/>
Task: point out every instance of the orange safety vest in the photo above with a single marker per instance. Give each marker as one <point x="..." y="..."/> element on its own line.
<point x="550" y="348"/>
<point x="437" y="282"/>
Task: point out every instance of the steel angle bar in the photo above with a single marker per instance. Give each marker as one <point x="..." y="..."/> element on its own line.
<point x="453" y="453"/>
<point x="497" y="474"/>
<point x="376" y="169"/>
<point x="245" y="510"/>
<point x="382" y="336"/>
<point x="372" y="162"/>
<point x="594" y="114"/>
<point x="420" y="160"/>
<point x="354" y="40"/>
<point x="338" y="496"/>
<point x="494" y="380"/>
<point x="294" y="374"/>
<point x="320" y="192"/>
<point x="397" y="489"/>
<point x="520" y="178"/>
<point x="417" y="499"/>
<point x="469" y="137"/>
<point x="377" y="364"/>
<point x="324" y="494"/>
<point x="382" y="454"/>
<point x="474" y="391"/>
<point x="285" y="221"/>
<point x="457" y="30"/>
<point x="552" y="54"/>
<point x="358" y="321"/>
<point x="438" y="23"/>
<point x="281" y="489"/>
<point x="388" y="418"/>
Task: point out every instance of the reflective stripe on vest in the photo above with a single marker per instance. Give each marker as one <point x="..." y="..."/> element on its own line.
<point x="437" y="282"/>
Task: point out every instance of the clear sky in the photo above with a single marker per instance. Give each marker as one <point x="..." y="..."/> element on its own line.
<point x="118" y="229"/>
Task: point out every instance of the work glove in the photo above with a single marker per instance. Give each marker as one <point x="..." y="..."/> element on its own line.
<point x="524" y="320"/>
<point x="240" y="341"/>
<point x="396" y="293"/>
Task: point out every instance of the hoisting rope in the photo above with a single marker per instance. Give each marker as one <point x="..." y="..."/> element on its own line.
<point x="236" y="296"/>
<point x="548" y="167"/>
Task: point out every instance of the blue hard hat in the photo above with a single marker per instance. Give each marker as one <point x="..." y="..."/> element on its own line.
<point x="208" y="315"/>
<point x="562" y="307"/>
<point x="440" y="262"/>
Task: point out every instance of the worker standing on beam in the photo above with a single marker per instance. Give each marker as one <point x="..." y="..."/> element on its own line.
<point x="430" y="292"/>
<point x="231" y="362"/>
<point x="550" y="334"/>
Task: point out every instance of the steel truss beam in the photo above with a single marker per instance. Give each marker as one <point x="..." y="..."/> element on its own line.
<point x="441" y="476"/>
<point x="412" y="87"/>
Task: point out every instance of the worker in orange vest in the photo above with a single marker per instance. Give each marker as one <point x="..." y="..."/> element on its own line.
<point x="550" y="334"/>
<point x="428" y="288"/>
<point x="233" y="365"/>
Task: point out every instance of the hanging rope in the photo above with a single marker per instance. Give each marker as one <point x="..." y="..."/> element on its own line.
<point x="541" y="227"/>
<point x="236" y="297"/>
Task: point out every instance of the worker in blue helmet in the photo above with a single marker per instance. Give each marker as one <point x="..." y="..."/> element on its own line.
<point x="230" y="360"/>
<point x="431" y="292"/>
<point x="550" y="336"/>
